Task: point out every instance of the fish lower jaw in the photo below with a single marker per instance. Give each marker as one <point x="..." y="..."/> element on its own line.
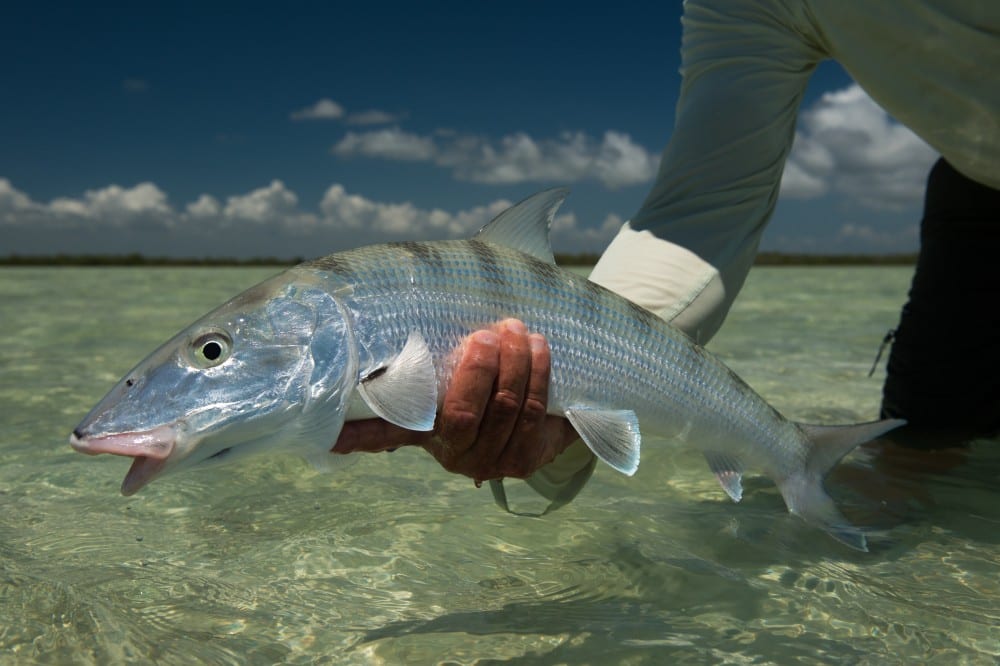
<point x="142" y="471"/>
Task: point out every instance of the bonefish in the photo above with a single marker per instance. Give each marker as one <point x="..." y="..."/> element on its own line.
<point x="370" y="332"/>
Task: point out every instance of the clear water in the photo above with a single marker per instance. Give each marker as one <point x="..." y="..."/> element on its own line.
<point x="393" y="559"/>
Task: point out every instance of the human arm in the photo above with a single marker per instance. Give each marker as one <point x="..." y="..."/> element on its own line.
<point x="686" y="252"/>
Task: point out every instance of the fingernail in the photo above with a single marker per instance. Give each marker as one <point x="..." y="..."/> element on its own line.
<point x="486" y="338"/>
<point x="517" y="327"/>
<point x="537" y="343"/>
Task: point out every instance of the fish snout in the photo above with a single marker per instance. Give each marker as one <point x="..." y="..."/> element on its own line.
<point x="149" y="450"/>
<point x="78" y="440"/>
<point x="157" y="443"/>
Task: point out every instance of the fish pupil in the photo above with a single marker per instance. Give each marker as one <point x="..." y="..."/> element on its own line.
<point x="212" y="350"/>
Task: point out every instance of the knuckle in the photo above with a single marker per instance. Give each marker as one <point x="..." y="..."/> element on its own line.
<point x="459" y="425"/>
<point x="533" y="409"/>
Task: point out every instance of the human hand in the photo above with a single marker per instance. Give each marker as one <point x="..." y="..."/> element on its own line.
<point x="493" y="420"/>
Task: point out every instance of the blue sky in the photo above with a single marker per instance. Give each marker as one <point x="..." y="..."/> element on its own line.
<point x="295" y="130"/>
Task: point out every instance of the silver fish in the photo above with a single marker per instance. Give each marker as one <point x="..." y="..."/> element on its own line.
<point x="371" y="332"/>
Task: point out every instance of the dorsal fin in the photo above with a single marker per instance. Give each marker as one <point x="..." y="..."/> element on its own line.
<point x="525" y="225"/>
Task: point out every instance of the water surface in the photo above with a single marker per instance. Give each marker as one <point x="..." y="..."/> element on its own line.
<point x="394" y="559"/>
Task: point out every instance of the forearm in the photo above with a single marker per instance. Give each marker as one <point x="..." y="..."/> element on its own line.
<point x="687" y="251"/>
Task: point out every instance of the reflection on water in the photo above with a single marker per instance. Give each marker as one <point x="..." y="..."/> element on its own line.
<point x="393" y="559"/>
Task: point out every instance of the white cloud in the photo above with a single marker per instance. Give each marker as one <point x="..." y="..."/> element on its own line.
<point x="388" y="144"/>
<point x="569" y="236"/>
<point x="146" y="205"/>
<point x="264" y="205"/>
<point x="342" y="210"/>
<point x="620" y="162"/>
<point x="882" y="240"/>
<point x="12" y="200"/>
<point x="117" y="205"/>
<point x="797" y="183"/>
<point x="847" y="144"/>
<point x="324" y="109"/>
<point x="327" y="109"/>
<point x="269" y="220"/>
<point x="205" y="206"/>
<point x="373" y="117"/>
<point x="615" y="160"/>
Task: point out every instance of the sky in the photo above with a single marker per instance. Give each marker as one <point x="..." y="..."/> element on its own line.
<point x="300" y="129"/>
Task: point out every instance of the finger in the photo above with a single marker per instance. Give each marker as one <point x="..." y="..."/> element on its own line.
<point x="504" y="407"/>
<point x="526" y="448"/>
<point x="374" y="435"/>
<point x="470" y="390"/>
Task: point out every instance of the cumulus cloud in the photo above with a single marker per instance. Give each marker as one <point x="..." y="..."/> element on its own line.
<point x="324" y="109"/>
<point x="387" y="144"/>
<point x="615" y="160"/>
<point x="12" y="200"/>
<point x="205" y="206"/>
<point x="266" y="204"/>
<point x="266" y="220"/>
<point x="849" y="145"/>
<point x="116" y="205"/>
<point x="342" y="210"/>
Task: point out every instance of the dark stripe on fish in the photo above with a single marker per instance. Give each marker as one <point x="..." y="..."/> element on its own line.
<point x="488" y="261"/>
<point x="544" y="272"/>
<point x="492" y="269"/>
<point x="422" y="252"/>
<point x="334" y="263"/>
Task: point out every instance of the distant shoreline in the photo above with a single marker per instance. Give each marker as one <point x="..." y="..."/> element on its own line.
<point x="763" y="259"/>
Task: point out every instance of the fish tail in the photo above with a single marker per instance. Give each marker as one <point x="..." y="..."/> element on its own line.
<point x="803" y="491"/>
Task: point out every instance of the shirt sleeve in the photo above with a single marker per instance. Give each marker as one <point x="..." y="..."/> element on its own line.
<point x="686" y="253"/>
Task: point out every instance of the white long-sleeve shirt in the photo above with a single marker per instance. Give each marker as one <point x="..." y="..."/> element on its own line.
<point x="932" y="64"/>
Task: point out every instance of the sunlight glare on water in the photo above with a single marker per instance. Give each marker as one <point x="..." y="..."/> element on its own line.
<point x="392" y="559"/>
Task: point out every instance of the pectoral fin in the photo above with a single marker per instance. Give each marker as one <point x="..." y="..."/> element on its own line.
<point x="612" y="434"/>
<point x="404" y="391"/>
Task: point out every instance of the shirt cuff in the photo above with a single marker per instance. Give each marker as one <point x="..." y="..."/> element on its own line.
<point x="665" y="278"/>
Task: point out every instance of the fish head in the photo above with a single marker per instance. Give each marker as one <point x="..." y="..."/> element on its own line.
<point x="236" y="381"/>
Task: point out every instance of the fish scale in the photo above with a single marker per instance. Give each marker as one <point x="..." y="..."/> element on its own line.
<point x="372" y="332"/>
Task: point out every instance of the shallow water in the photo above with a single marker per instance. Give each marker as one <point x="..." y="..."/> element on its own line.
<point x="393" y="559"/>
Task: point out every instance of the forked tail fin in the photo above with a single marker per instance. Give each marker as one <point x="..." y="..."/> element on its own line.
<point x="804" y="493"/>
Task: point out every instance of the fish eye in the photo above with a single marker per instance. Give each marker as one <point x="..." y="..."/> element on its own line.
<point x="211" y="349"/>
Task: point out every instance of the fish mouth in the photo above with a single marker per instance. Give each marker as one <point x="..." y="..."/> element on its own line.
<point x="149" y="450"/>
